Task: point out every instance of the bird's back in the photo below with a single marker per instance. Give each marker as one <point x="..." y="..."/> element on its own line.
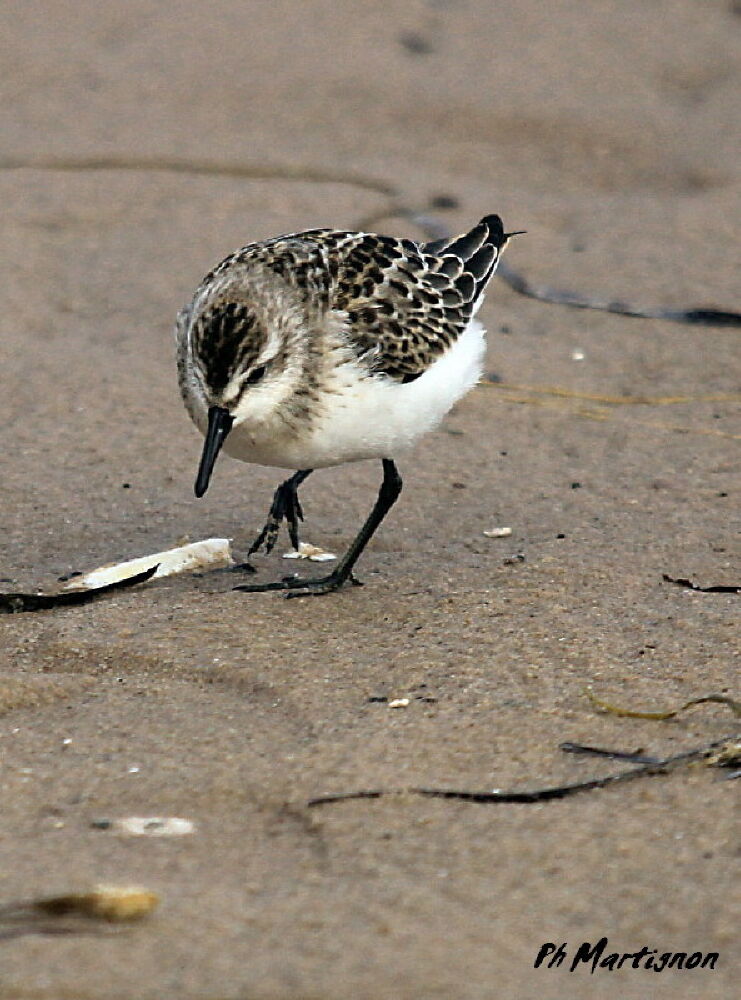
<point x="404" y="315"/>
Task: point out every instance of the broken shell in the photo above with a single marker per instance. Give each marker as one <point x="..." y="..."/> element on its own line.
<point x="211" y="553"/>
<point x="311" y="552"/>
<point x="105" y="902"/>
<point x="149" y="826"/>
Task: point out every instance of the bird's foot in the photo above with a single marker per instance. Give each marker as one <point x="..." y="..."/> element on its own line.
<point x="297" y="587"/>
<point x="286" y="506"/>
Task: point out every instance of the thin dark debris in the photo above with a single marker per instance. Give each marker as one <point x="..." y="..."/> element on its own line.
<point x="682" y="581"/>
<point x="661" y="766"/>
<point x="13" y="603"/>
<point x="693" y="316"/>
<point x="724" y="752"/>
<point x="635" y="757"/>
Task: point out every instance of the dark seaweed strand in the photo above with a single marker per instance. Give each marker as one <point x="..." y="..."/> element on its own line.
<point x="536" y="795"/>
<point x="693" y="316"/>
<point x="11" y="604"/>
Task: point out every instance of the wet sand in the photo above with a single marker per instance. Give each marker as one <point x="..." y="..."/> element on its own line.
<point x="610" y="447"/>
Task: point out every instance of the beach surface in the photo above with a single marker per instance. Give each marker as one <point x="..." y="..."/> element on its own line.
<point x="143" y="142"/>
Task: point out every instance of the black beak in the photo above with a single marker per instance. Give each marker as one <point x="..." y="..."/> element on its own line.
<point x="219" y="424"/>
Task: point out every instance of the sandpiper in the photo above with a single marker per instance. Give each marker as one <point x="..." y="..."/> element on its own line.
<point x="324" y="347"/>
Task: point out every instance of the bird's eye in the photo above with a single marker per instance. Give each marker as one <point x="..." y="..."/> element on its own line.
<point x="255" y="375"/>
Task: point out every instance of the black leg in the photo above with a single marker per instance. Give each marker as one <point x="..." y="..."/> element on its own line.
<point x="285" y="506"/>
<point x="387" y="495"/>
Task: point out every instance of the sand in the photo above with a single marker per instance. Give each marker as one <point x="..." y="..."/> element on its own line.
<point x="608" y="132"/>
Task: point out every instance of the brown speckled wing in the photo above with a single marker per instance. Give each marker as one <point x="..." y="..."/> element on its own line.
<point x="407" y="306"/>
<point x="405" y="303"/>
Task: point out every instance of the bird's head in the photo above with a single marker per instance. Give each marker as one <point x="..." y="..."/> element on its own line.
<point x="237" y="360"/>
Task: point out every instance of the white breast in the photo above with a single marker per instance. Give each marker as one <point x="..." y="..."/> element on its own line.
<point x="376" y="417"/>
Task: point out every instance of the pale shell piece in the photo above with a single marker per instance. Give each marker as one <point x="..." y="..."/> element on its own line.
<point x="211" y="553"/>
<point x="498" y="533"/>
<point x="153" y="826"/>
<point x="311" y="552"/>
<point x="399" y="703"/>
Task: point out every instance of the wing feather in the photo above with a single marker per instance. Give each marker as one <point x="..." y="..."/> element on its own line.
<point x="406" y="303"/>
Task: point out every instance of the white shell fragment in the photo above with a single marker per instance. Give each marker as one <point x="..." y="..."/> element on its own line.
<point x="152" y="826"/>
<point x="498" y="533"/>
<point x="311" y="552"/>
<point x="399" y="703"/>
<point x="212" y="553"/>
